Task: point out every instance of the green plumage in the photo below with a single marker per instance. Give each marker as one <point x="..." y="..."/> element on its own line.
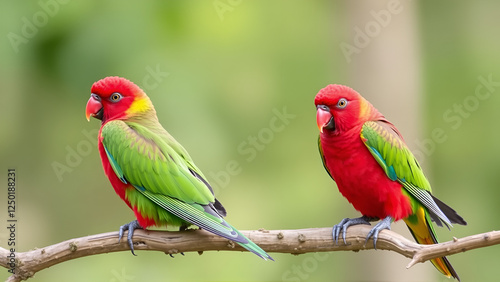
<point x="169" y="188"/>
<point x="387" y="146"/>
<point x="154" y="161"/>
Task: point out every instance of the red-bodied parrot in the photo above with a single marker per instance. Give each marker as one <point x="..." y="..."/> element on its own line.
<point x="150" y="170"/>
<point x="374" y="169"/>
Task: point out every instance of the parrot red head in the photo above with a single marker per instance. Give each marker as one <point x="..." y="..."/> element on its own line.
<point x="340" y="108"/>
<point x="115" y="97"/>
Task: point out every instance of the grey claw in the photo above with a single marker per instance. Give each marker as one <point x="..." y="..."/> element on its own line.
<point x="130" y="227"/>
<point x="344" y="224"/>
<point x="383" y="224"/>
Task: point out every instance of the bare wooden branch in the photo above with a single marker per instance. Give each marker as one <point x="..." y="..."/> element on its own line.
<point x="275" y="241"/>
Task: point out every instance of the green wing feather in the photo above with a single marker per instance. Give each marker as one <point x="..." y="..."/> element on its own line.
<point x="323" y="157"/>
<point x="206" y="218"/>
<point x="154" y="161"/>
<point x="386" y="145"/>
<point x="162" y="172"/>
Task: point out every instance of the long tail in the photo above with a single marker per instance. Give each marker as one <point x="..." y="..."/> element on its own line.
<point x="204" y="216"/>
<point x="421" y="228"/>
<point x="252" y="247"/>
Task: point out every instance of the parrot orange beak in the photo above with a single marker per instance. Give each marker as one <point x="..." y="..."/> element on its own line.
<point x="324" y="118"/>
<point x="94" y="107"/>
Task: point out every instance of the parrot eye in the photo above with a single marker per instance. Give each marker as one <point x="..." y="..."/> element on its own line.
<point x="342" y="103"/>
<point x="115" y="97"/>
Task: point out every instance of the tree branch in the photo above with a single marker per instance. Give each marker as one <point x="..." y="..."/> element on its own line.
<point x="275" y="241"/>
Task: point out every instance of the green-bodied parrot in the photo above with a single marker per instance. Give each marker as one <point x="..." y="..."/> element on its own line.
<point x="150" y="170"/>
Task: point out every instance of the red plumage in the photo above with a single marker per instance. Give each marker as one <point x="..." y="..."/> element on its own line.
<point x="108" y="86"/>
<point x="105" y="88"/>
<point x="359" y="177"/>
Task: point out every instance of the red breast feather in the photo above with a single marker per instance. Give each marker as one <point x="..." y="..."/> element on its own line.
<point x="359" y="177"/>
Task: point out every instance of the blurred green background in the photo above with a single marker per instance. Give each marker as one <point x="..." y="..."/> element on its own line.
<point x="217" y="72"/>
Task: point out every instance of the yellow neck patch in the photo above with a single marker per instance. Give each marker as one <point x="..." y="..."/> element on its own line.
<point x="139" y="105"/>
<point x="364" y="108"/>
